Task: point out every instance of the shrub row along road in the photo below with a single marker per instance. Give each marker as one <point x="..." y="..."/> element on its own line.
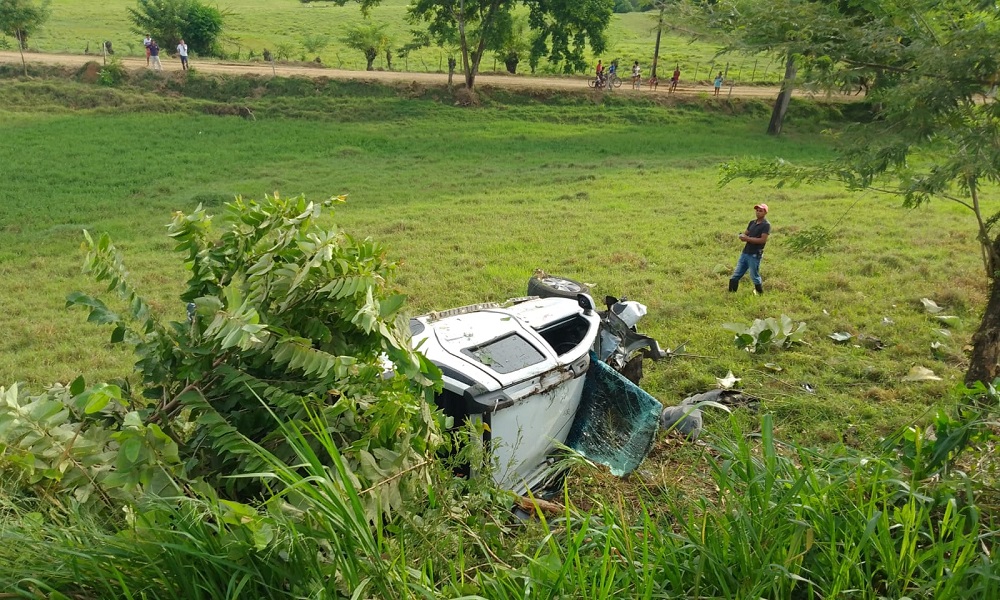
<point x="686" y="88"/>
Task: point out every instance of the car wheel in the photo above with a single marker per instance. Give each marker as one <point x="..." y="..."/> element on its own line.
<point x="548" y="286"/>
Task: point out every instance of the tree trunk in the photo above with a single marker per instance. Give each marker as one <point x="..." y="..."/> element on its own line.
<point x="485" y="29"/>
<point x="370" y="55"/>
<point x="983" y="363"/>
<point x="656" y="50"/>
<point x="20" y="47"/>
<point x="781" y="104"/>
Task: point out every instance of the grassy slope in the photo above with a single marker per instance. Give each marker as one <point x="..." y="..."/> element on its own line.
<point x="471" y="201"/>
<point x="258" y="24"/>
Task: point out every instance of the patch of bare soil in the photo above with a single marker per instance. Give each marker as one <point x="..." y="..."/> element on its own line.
<point x="89" y="72"/>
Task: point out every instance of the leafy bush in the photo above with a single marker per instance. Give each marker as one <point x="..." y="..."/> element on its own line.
<point x="112" y="73"/>
<point x="288" y="322"/>
<point x="168" y="21"/>
<point x="627" y="6"/>
<point x="202" y="29"/>
<point x="764" y="333"/>
<point x="283" y="51"/>
<point x="315" y="43"/>
<point x="83" y="443"/>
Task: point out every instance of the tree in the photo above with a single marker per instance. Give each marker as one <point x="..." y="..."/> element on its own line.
<point x="797" y="30"/>
<point x="514" y="44"/>
<point x="660" y="7"/>
<point x="934" y="131"/>
<point x="202" y="28"/>
<point x="20" y="19"/>
<point x="561" y="29"/>
<point x="370" y="38"/>
<point x="168" y="21"/>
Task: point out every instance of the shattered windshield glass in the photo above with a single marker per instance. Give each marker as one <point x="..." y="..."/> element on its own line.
<point x="507" y="354"/>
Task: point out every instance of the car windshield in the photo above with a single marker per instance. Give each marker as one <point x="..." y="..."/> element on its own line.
<point x="507" y="354"/>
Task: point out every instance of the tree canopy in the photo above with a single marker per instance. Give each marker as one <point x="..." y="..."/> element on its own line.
<point x="21" y="18"/>
<point x="168" y="21"/>
<point x="368" y="37"/>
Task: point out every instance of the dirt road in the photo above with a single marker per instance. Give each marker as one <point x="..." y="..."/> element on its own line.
<point x="686" y="88"/>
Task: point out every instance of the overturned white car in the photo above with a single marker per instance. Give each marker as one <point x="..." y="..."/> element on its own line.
<point x="541" y="371"/>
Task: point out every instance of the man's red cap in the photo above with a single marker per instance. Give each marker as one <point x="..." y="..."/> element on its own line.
<point x="764" y="206"/>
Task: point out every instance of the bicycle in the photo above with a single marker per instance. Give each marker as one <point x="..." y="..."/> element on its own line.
<point x="610" y="81"/>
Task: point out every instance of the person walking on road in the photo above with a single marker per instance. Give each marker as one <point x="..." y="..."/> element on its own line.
<point x="154" y="56"/>
<point x="182" y="51"/>
<point x="755" y="237"/>
<point x="718" y="83"/>
<point x="146" y="41"/>
<point x="676" y="78"/>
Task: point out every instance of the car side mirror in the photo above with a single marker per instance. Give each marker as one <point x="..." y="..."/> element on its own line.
<point x="585" y="302"/>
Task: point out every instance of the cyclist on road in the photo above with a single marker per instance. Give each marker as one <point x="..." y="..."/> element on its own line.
<point x="600" y="74"/>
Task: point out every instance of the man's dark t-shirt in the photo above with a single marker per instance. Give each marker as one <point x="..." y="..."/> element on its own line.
<point x="755" y="229"/>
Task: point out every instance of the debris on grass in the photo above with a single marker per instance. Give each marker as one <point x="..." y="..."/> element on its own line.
<point x="918" y="373"/>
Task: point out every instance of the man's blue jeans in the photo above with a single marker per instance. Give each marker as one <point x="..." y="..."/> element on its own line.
<point x="748" y="262"/>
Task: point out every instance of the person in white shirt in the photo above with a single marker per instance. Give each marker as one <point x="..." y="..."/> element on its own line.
<point x="182" y="51"/>
<point x="146" y="41"/>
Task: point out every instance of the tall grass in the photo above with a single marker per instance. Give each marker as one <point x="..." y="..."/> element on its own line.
<point x="786" y="522"/>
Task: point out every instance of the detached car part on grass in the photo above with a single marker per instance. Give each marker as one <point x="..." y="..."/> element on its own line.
<point x="543" y="371"/>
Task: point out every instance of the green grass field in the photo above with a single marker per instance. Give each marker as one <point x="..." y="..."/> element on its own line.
<point x="622" y="194"/>
<point x="252" y="25"/>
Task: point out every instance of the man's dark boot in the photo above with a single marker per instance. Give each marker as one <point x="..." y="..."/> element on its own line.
<point x="758" y="289"/>
<point x="734" y="284"/>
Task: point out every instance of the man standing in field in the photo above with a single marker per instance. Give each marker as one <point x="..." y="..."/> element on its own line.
<point x="154" y="55"/>
<point x="755" y="237"/>
<point x="182" y="51"/>
<point x="146" y="41"/>
<point x="676" y="78"/>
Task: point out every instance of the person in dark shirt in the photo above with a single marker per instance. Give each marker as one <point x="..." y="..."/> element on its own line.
<point x="755" y="237"/>
<point x="154" y="55"/>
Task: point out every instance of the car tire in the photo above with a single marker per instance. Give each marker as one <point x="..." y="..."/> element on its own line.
<point x="549" y="286"/>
